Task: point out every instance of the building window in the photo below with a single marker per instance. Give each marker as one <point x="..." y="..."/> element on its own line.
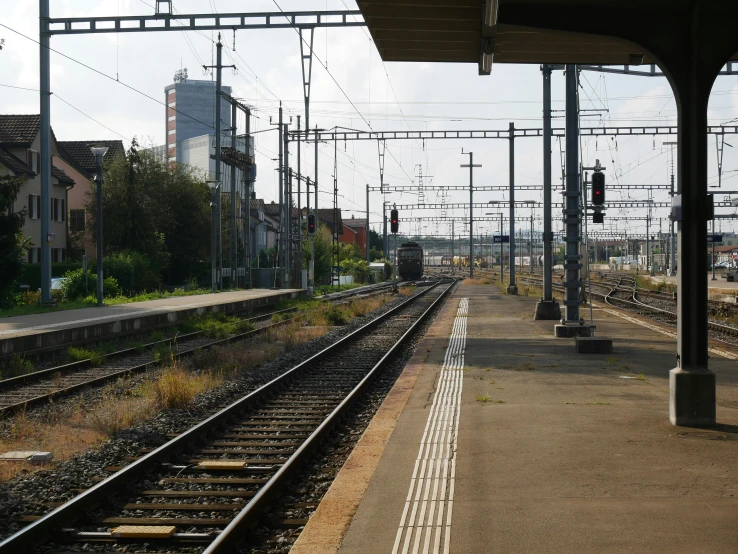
<point x="34" y="206"/>
<point x="172" y="104"/>
<point x="57" y="209"/>
<point x="171" y="131"/>
<point x="76" y="221"/>
<point x="171" y="118"/>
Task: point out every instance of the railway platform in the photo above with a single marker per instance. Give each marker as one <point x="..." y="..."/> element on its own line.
<point x="38" y="333"/>
<point x="499" y="437"/>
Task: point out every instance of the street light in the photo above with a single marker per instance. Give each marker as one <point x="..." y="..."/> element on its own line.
<point x="99" y="152"/>
<point x="214" y="186"/>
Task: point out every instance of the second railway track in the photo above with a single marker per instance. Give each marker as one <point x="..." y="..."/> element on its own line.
<point x="202" y="489"/>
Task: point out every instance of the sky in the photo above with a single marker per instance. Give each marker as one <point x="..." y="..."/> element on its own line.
<point x="119" y="91"/>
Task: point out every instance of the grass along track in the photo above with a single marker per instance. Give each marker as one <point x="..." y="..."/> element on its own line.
<point x="265" y="435"/>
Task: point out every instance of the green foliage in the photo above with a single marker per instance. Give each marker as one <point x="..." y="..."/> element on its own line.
<point x="74" y="285"/>
<point x="323" y="247"/>
<point x="159" y="210"/>
<point x="132" y="271"/>
<point x="375" y="241"/>
<point x="375" y="254"/>
<point x="16" y="366"/>
<point x="75" y="354"/>
<point x="31" y="273"/>
<point x="336" y="315"/>
<point x="359" y="269"/>
<point x="12" y="243"/>
<point x="216" y="326"/>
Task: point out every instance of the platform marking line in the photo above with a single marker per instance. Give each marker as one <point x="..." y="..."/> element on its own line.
<point x="717" y="351"/>
<point x="425" y="524"/>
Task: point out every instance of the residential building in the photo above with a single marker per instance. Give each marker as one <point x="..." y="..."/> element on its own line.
<point x="20" y="147"/>
<point x="354" y="232"/>
<point x="77" y="160"/>
<point x="190" y="111"/>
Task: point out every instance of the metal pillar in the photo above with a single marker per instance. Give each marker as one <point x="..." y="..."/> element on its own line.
<point x="280" y="171"/>
<point x="45" y="97"/>
<point x="572" y="257"/>
<point x="311" y="269"/>
<point x="214" y="193"/>
<point x="368" y="259"/>
<point x="218" y="203"/>
<point x="299" y="185"/>
<point x="99" y="163"/>
<point x="287" y="210"/>
<point x="247" y="215"/>
<point x="502" y="253"/>
<point x="234" y="230"/>
<point x="471" y="165"/>
<point x="385" y="238"/>
<point x="512" y="288"/>
<point x="452" y="245"/>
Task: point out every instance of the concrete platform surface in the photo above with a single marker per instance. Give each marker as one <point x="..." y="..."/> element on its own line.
<point x="47" y="330"/>
<point x="509" y="441"/>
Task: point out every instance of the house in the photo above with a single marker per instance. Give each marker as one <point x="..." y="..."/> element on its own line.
<point x="725" y="254"/>
<point x="20" y="147"/>
<point x="77" y="161"/>
<point x="354" y="232"/>
<point x="263" y="228"/>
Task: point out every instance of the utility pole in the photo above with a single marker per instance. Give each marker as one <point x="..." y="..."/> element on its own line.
<point x="247" y="220"/>
<point x="234" y="230"/>
<point x="287" y="207"/>
<point x="280" y="240"/>
<point x="45" y="98"/>
<point x="368" y="258"/>
<point x="471" y="165"/>
<point x="218" y="201"/>
<point x="512" y="288"/>
<point x="452" y="246"/>
<point x="311" y="269"/>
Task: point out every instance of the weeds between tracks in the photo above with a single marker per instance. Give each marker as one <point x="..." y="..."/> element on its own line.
<point x="84" y="424"/>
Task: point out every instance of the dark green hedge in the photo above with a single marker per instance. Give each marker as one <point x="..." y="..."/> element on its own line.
<point x="31" y="273"/>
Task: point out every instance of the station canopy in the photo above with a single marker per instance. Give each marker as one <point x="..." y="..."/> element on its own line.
<point x="476" y="31"/>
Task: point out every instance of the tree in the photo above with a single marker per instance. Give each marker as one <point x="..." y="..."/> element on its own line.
<point x="156" y="209"/>
<point x="323" y="248"/>
<point x="12" y="243"/>
<point x="375" y="241"/>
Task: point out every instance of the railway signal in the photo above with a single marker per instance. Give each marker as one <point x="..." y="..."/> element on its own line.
<point x="598" y="188"/>
<point x="311" y="224"/>
<point x="394" y="222"/>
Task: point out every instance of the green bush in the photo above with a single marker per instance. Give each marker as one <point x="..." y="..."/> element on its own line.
<point x="132" y="271"/>
<point x="31" y="273"/>
<point x="74" y="288"/>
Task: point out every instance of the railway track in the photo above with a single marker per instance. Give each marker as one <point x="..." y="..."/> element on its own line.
<point x="203" y="489"/>
<point x="40" y="387"/>
<point x="623" y="294"/>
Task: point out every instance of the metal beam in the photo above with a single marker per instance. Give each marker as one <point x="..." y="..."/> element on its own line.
<point x="204" y="22"/>
<point x="505" y="133"/>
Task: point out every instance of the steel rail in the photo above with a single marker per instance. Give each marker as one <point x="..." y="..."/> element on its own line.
<point x="42" y="530"/>
<point x="233" y="535"/>
<point x="66" y="369"/>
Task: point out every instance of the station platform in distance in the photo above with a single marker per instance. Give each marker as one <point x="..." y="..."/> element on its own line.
<point x="499" y="437"/>
<point x="37" y="333"/>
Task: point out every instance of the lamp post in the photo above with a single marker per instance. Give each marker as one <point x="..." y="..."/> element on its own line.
<point x="214" y="186"/>
<point x="99" y="152"/>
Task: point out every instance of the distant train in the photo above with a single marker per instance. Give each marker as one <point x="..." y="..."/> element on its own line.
<point x="410" y="261"/>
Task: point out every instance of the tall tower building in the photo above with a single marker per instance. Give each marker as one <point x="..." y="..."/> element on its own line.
<point x="190" y="112"/>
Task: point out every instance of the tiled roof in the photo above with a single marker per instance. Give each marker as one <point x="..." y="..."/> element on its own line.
<point x="271" y="208"/>
<point x="64" y="179"/>
<point x="256" y="203"/>
<point x="354" y="223"/>
<point x="15" y="164"/>
<point x="18" y="129"/>
<point x="78" y="153"/>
